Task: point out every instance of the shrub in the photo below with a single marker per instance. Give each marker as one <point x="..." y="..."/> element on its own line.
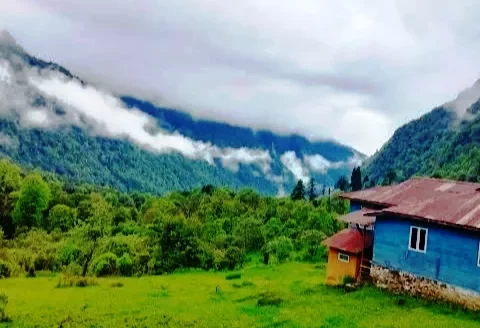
<point x="234" y="257"/>
<point x="73" y="269"/>
<point x="280" y="247"/>
<point x="76" y="281"/>
<point x="269" y="299"/>
<point x="46" y="260"/>
<point x="105" y="264"/>
<point x="125" y="265"/>
<point x="3" y="305"/>
<point x="233" y="276"/>
<point x="69" y="253"/>
<point x="31" y="273"/>
<point x="5" y="269"/>
<point x="116" y="284"/>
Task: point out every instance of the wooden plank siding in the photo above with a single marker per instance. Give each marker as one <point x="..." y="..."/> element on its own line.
<point x="451" y="254"/>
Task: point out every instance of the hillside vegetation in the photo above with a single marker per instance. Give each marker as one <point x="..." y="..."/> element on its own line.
<point x="438" y="144"/>
<point x="71" y="140"/>
<point x="83" y="230"/>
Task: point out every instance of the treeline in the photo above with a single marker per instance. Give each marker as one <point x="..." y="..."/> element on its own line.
<point x="85" y="229"/>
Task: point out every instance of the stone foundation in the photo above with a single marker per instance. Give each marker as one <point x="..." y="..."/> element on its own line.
<point x="403" y="282"/>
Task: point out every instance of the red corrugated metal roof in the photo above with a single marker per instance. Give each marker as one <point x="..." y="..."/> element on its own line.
<point x="442" y="201"/>
<point x="350" y="240"/>
<point x="359" y="217"/>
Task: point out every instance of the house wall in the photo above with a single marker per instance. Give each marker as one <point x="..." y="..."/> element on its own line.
<point x="451" y="254"/>
<point x="336" y="269"/>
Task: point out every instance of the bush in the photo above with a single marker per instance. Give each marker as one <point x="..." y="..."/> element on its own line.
<point x="73" y="269"/>
<point x="233" y="276"/>
<point x="125" y="265"/>
<point x="5" y="269"/>
<point x="269" y="299"/>
<point x="31" y="273"/>
<point x="46" y="261"/>
<point x="234" y="257"/>
<point x="3" y="305"/>
<point x="76" y="281"/>
<point x="105" y="264"/>
<point x="116" y="284"/>
<point x="69" y="254"/>
<point x="280" y="247"/>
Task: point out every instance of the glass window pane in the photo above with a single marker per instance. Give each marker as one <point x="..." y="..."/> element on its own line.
<point x="423" y="235"/>
<point x="413" y="238"/>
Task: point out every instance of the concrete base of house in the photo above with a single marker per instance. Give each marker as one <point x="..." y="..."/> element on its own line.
<point x="403" y="282"/>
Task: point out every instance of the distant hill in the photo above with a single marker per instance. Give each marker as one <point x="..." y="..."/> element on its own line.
<point x="442" y="143"/>
<point x="55" y="121"/>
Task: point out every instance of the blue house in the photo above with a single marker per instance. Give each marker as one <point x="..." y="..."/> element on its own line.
<point x="426" y="237"/>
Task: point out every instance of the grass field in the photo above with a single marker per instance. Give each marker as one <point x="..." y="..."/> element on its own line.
<point x="202" y="299"/>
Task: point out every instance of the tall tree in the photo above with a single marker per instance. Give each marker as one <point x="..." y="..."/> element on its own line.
<point x="356" y="179"/>
<point x="10" y="181"/>
<point x="311" y="190"/>
<point x="366" y="179"/>
<point x="342" y="183"/>
<point x="32" y="201"/>
<point x="390" y="177"/>
<point x="298" y="192"/>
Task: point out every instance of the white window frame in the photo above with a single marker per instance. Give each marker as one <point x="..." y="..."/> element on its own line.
<point x="417" y="249"/>
<point x="478" y="255"/>
<point x="339" y="257"/>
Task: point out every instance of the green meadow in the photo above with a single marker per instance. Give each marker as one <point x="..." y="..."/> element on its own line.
<point x="294" y="293"/>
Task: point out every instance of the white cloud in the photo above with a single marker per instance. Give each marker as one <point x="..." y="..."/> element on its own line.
<point x="350" y="70"/>
<point x="292" y="163"/>
<point x="4" y="72"/>
<point x="113" y="119"/>
<point x="317" y="163"/>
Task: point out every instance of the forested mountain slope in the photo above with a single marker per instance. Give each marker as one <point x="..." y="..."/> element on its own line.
<point x="53" y="120"/>
<point x="443" y="143"/>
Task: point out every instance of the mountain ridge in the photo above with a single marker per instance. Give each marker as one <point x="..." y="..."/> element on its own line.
<point x="444" y="142"/>
<point x="59" y="106"/>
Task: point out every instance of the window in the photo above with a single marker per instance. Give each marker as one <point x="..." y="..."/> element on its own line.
<point x="418" y="239"/>
<point x="343" y="257"/>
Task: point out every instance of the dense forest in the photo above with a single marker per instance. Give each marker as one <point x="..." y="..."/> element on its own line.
<point x="439" y="144"/>
<point x="83" y="230"/>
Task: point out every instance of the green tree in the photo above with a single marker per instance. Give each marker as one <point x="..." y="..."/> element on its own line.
<point x="94" y="228"/>
<point x="311" y="241"/>
<point x="10" y="181"/>
<point x="342" y="184"/>
<point x="249" y="234"/>
<point x="356" y="179"/>
<point x="311" y="190"/>
<point x="272" y="229"/>
<point x="280" y="248"/>
<point x="298" y="192"/>
<point x="61" y="217"/>
<point x="33" y="199"/>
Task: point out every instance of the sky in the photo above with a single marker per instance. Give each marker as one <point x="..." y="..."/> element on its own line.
<point x="353" y="71"/>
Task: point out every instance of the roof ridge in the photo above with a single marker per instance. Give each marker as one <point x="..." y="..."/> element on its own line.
<point x="445" y="180"/>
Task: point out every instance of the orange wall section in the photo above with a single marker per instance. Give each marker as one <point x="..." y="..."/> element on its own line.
<point x="336" y="269"/>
